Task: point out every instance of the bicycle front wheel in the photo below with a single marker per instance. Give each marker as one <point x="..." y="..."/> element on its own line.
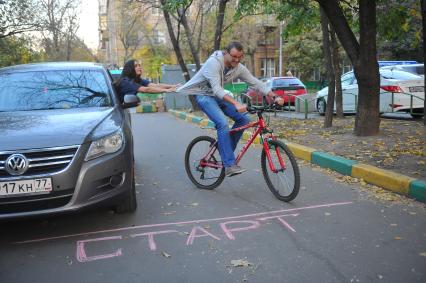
<point x="203" y="163"/>
<point x="283" y="179"/>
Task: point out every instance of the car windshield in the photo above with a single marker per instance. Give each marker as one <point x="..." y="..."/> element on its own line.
<point x="398" y="75"/>
<point x="56" y="89"/>
<point x="286" y="82"/>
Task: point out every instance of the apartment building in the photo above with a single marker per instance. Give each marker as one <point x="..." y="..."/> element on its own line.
<point x="126" y="26"/>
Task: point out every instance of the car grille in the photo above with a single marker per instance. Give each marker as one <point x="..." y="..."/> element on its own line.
<point x="41" y="161"/>
<point x="36" y="202"/>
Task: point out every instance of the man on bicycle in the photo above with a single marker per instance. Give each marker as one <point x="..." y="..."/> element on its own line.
<point x="207" y="85"/>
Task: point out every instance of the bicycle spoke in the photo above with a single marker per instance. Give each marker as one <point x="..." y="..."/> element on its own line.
<point x="204" y="176"/>
<point x="285" y="179"/>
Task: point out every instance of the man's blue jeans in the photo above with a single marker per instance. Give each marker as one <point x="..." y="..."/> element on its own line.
<point x="216" y="109"/>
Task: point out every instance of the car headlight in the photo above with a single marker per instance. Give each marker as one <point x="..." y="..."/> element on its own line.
<point x="109" y="144"/>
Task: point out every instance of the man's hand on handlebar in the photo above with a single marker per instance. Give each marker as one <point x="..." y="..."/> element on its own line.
<point x="241" y="107"/>
<point x="279" y="100"/>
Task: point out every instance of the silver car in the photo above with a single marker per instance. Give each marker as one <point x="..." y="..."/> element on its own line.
<point x="65" y="140"/>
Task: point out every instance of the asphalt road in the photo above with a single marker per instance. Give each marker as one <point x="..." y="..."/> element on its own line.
<point x="331" y="232"/>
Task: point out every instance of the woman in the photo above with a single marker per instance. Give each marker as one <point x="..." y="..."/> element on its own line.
<point x="130" y="82"/>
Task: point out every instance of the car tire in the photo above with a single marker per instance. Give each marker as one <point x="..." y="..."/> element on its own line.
<point x="129" y="203"/>
<point x="417" y="113"/>
<point x="321" y="106"/>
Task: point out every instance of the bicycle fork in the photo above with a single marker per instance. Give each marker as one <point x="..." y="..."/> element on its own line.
<point x="269" y="156"/>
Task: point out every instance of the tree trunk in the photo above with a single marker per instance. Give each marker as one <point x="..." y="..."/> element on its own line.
<point x="178" y="52"/>
<point x="337" y="74"/>
<point x="328" y="121"/>
<point x="363" y="58"/>
<point x="423" y="5"/>
<point x="219" y="24"/>
<point x="188" y="33"/>
<point x="367" y="120"/>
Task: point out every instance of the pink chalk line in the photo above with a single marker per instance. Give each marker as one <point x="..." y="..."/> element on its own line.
<point x="183" y="222"/>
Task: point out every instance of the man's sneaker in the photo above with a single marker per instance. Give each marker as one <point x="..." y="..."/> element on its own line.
<point x="233" y="170"/>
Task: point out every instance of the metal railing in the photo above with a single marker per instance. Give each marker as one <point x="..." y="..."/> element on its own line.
<point x="305" y="102"/>
<point x="412" y="96"/>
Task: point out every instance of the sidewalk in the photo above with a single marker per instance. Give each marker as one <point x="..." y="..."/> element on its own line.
<point x="400" y="146"/>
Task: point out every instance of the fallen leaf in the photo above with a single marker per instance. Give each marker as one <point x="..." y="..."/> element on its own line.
<point x="240" y="262"/>
<point x="398" y="238"/>
<point x="165" y="254"/>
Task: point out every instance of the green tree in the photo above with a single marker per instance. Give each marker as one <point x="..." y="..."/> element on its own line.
<point x="18" y="50"/>
<point x="399" y="30"/>
<point x="19" y="16"/>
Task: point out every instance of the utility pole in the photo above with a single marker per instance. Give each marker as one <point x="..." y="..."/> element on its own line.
<point x="280" y="63"/>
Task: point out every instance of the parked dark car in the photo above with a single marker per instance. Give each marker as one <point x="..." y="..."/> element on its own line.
<point x="66" y="140"/>
<point x="285" y="87"/>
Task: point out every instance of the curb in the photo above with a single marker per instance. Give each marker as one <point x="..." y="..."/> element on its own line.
<point x="146" y="109"/>
<point x="386" y="179"/>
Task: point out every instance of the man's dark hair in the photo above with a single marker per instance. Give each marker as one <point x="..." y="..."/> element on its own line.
<point x="234" y="44"/>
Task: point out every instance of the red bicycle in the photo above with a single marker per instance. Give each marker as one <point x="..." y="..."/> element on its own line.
<point x="279" y="167"/>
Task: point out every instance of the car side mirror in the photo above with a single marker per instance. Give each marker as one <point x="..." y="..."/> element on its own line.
<point x="130" y="100"/>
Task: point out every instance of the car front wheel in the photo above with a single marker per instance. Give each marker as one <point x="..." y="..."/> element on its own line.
<point x="321" y="107"/>
<point x="129" y="203"/>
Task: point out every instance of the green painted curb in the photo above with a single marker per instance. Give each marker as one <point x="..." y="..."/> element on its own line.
<point x="337" y="163"/>
<point x="196" y="120"/>
<point x="182" y="115"/>
<point x="418" y="190"/>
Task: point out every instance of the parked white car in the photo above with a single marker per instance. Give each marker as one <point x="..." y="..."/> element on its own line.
<point x="416" y="69"/>
<point x="401" y="84"/>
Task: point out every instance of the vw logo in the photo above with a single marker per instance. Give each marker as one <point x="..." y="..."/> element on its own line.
<point x="16" y="164"/>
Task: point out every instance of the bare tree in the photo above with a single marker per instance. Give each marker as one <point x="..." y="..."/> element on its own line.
<point x="57" y="19"/>
<point x="188" y="32"/>
<point x="326" y="46"/>
<point x="220" y="17"/>
<point x="362" y="54"/>
<point x="132" y="30"/>
<point x="337" y="73"/>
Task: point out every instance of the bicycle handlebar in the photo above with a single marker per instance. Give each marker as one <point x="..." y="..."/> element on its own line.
<point x="260" y="109"/>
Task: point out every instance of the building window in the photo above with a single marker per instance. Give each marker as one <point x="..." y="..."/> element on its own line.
<point x="316" y="75"/>
<point x="156" y="10"/>
<point x="159" y="37"/>
<point x="267" y="68"/>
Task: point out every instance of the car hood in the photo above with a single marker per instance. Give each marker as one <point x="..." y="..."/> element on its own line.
<point x="49" y="128"/>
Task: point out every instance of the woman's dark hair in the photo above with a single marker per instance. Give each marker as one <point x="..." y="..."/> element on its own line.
<point x="129" y="72"/>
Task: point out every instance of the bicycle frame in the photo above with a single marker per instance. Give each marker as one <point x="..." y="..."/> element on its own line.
<point x="260" y="126"/>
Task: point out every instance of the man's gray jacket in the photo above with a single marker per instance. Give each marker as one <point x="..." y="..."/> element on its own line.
<point x="210" y="79"/>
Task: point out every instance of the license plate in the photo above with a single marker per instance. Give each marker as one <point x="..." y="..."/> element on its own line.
<point x="416" y="88"/>
<point x="42" y="185"/>
<point x="290" y="91"/>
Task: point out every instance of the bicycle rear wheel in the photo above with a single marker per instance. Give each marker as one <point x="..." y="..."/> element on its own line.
<point x="204" y="176"/>
<point x="284" y="182"/>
